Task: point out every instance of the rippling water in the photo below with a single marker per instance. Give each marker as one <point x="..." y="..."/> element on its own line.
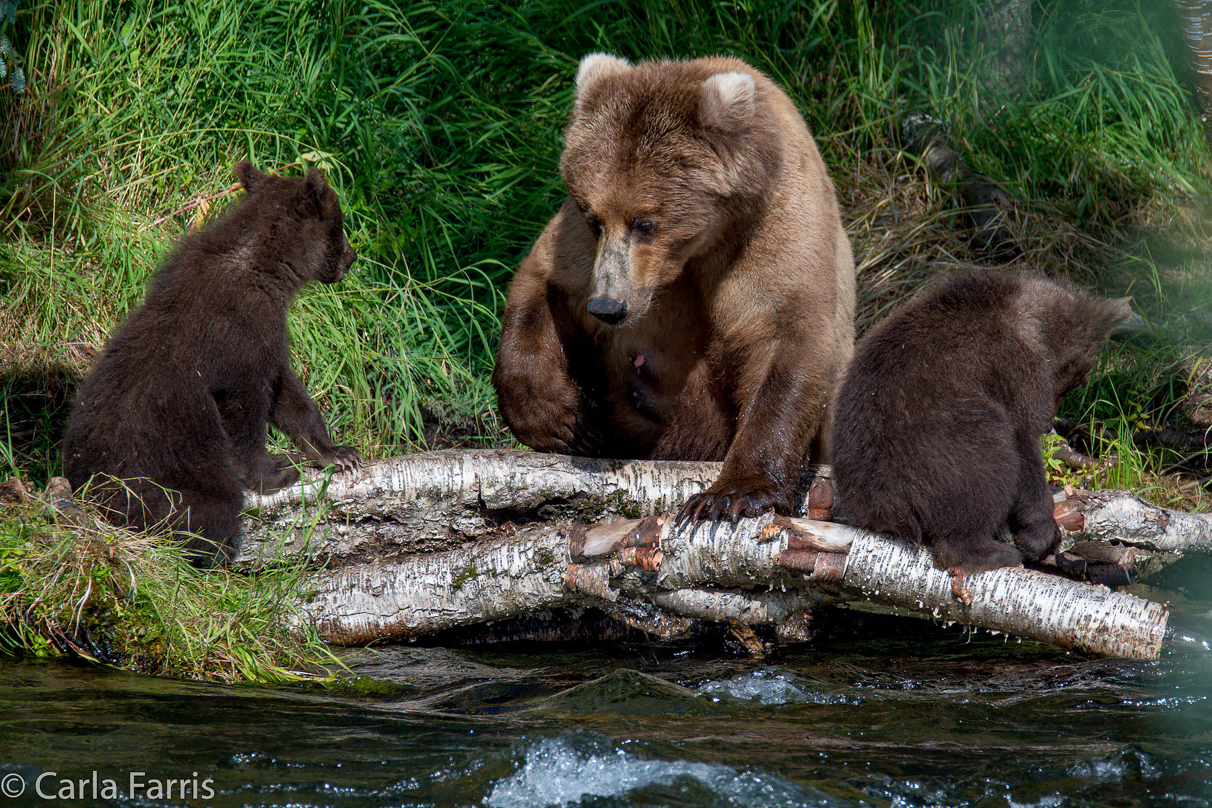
<point x="903" y="714"/>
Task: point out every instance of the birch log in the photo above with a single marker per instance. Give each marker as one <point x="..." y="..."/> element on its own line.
<point x="435" y="501"/>
<point x="492" y="580"/>
<point x="773" y="567"/>
<point x="1023" y="602"/>
<point x="1123" y="517"/>
<point x="427" y="542"/>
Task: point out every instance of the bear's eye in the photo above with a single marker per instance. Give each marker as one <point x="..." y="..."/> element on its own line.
<point x="595" y="224"/>
<point x="643" y="227"/>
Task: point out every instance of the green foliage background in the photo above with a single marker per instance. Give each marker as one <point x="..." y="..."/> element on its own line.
<point x="440" y="122"/>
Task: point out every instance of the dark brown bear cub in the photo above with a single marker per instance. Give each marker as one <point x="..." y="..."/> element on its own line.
<point x="170" y="424"/>
<point x="937" y="425"/>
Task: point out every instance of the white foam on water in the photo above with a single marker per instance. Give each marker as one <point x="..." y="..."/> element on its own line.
<point x="555" y="773"/>
<point x="1047" y="801"/>
<point x="769" y="687"/>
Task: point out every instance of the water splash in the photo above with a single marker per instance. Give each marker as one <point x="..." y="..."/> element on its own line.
<point x="566" y="771"/>
<point x="770" y="687"/>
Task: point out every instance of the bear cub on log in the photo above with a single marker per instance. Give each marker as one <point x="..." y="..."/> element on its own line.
<point x="170" y="424"/>
<point x="693" y="299"/>
<point x="937" y="424"/>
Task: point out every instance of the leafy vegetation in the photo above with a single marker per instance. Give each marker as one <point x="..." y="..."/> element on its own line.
<point x="133" y="600"/>
<point x="440" y="123"/>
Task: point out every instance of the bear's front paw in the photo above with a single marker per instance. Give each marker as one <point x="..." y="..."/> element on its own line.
<point x="569" y="432"/>
<point x="346" y="458"/>
<point x="279" y="472"/>
<point x="714" y="504"/>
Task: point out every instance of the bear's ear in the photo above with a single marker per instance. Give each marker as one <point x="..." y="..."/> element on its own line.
<point x="317" y="187"/>
<point x="727" y="101"/>
<point x="593" y="69"/>
<point x="1118" y="317"/>
<point x="249" y="177"/>
<point x="317" y="183"/>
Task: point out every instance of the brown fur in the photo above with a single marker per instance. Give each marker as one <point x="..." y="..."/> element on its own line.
<point x="170" y="424"/>
<point x="938" y="421"/>
<point x="694" y="297"/>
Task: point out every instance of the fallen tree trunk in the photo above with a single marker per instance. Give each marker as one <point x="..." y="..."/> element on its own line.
<point x="651" y="574"/>
<point x="758" y="571"/>
<point x="435" y="501"/>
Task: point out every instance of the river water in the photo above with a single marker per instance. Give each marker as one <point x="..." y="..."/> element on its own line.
<point x="889" y="713"/>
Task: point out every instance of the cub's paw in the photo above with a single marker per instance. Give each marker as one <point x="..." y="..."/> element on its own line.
<point x="346" y="458"/>
<point x="728" y="502"/>
<point x="973" y="555"/>
<point x="1039" y="541"/>
<point x="286" y="463"/>
<point x="279" y="472"/>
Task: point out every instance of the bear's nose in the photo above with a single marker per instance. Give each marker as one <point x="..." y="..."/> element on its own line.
<point x="608" y="310"/>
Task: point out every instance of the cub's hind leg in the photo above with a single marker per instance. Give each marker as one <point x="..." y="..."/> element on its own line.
<point x="1035" y="530"/>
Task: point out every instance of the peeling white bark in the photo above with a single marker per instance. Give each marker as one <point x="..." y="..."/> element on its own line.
<point x="720" y="572"/>
<point x="1123" y="517"/>
<point x="1027" y="603"/>
<point x="431" y="592"/>
<point x="435" y="501"/>
<point x="431" y="541"/>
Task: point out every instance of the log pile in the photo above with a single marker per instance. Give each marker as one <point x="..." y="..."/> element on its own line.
<point x="418" y="544"/>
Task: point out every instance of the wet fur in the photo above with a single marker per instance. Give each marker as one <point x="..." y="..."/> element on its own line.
<point x="937" y="429"/>
<point x="169" y="427"/>
<point x="739" y="305"/>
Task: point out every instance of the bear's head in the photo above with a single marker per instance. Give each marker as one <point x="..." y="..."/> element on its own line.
<point x="1072" y="327"/>
<point x="666" y="162"/>
<point x="314" y="245"/>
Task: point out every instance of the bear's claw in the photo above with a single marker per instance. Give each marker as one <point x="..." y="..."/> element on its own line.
<point x="346" y="458"/>
<point x="713" y="506"/>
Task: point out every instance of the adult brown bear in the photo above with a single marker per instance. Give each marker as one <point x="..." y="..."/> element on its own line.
<point x="694" y="297"/>
<point x="170" y="424"/>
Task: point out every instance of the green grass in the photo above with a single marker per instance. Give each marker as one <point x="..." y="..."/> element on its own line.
<point x="440" y="124"/>
<point x="135" y="601"/>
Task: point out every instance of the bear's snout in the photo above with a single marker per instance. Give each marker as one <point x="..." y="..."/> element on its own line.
<point x="608" y="310"/>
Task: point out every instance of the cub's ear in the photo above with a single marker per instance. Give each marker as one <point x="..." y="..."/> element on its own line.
<point x="1118" y="317"/>
<point x="317" y="184"/>
<point x="727" y="102"/>
<point x="593" y="69"/>
<point x="249" y="177"/>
